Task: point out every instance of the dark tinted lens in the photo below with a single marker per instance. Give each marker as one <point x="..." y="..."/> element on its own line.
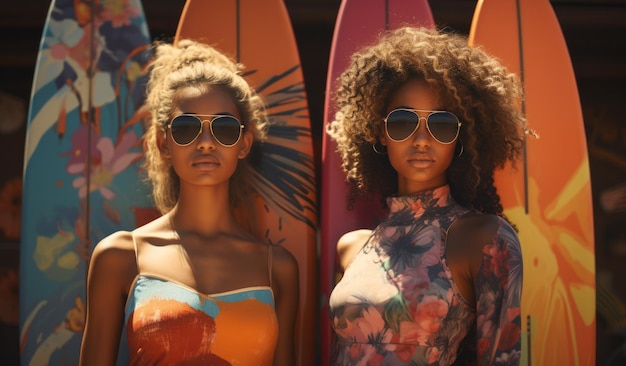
<point x="401" y="124"/>
<point x="444" y="126"/>
<point x="226" y="130"/>
<point x="185" y="129"/>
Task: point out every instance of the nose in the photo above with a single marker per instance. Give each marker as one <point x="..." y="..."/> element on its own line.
<point x="206" y="141"/>
<point x="421" y="137"/>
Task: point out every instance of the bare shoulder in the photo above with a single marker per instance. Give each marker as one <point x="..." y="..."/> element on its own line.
<point x="285" y="272"/>
<point x="475" y="227"/>
<point x="118" y="243"/>
<point x="479" y="229"/>
<point x="468" y="236"/>
<point x="483" y="227"/>
<point x="352" y="238"/>
<point x="283" y="259"/>
<point x="349" y="245"/>
<point x="115" y="254"/>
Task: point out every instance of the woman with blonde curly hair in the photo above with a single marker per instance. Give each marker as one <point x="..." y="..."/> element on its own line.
<point x="423" y="120"/>
<point x="194" y="286"/>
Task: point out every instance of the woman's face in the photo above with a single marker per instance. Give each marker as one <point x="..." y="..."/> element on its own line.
<point x="204" y="161"/>
<point x="420" y="160"/>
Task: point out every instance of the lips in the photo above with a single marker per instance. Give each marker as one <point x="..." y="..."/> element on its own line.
<point x="421" y="161"/>
<point x="206" y="162"/>
<point x="422" y="158"/>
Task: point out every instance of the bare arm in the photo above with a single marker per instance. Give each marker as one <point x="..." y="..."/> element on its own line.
<point x="349" y="245"/>
<point x="287" y="290"/>
<point x="484" y="255"/>
<point x="111" y="270"/>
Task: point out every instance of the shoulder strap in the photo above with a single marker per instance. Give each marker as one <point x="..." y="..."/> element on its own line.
<point x="136" y="251"/>
<point x="269" y="262"/>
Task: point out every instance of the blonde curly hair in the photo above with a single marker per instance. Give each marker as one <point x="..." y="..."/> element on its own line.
<point x="471" y="84"/>
<point x="192" y="64"/>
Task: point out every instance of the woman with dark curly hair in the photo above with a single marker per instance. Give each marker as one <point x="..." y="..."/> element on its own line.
<point x="423" y="120"/>
<point x="194" y="286"/>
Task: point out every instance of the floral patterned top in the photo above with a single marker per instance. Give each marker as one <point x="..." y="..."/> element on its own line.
<point x="397" y="303"/>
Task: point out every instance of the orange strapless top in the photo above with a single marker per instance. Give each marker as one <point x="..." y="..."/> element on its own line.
<point x="167" y="323"/>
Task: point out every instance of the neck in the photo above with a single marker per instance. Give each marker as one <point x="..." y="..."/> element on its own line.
<point x="417" y="189"/>
<point x="204" y="210"/>
<point x="411" y="186"/>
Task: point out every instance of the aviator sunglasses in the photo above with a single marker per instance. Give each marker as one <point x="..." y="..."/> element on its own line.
<point x="186" y="128"/>
<point x="401" y="123"/>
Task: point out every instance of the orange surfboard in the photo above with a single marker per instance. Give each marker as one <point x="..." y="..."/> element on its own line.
<point x="259" y="35"/>
<point x="549" y="195"/>
<point x="359" y="22"/>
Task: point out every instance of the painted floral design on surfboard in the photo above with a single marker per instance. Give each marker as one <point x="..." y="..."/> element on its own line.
<point x="560" y="278"/>
<point x="81" y="173"/>
<point x="82" y="156"/>
<point x="548" y="194"/>
<point x="284" y="172"/>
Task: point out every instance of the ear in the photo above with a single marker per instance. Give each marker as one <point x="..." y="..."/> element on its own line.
<point x="162" y="144"/>
<point x="245" y="144"/>
<point x="382" y="136"/>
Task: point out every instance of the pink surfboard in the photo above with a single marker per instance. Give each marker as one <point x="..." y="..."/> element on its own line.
<point x="359" y="22"/>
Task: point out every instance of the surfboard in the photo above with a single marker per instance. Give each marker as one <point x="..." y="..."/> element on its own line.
<point x="81" y="164"/>
<point x="259" y="35"/>
<point x="359" y="22"/>
<point x="549" y="196"/>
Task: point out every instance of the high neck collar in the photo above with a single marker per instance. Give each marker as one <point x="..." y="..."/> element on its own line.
<point x="422" y="201"/>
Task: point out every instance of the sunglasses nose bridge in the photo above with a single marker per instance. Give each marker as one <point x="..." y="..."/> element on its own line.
<point x="420" y="128"/>
<point x="204" y="133"/>
<point x="419" y="121"/>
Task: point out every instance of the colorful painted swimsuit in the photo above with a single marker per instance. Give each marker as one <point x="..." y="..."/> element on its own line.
<point x="167" y="323"/>
<point x="397" y="303"/>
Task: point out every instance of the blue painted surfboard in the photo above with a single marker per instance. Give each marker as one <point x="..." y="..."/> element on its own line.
<point x="82" y="175"/>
